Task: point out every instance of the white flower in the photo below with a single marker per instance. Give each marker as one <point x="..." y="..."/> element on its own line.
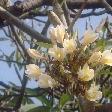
<point x="34" y="54"/>
<point x="106" y="57"/>
<point x="95" y="57"/>
<point x="57" y="53"/>
<point x="93" y="94"/>
<point x="89" y="37"/>
<point x="33" y="71"/>
<point x="46" y="81"/>
<point x="57" y="34"/>
<point x="69" y="45"/>
<point x="85" y="74"/>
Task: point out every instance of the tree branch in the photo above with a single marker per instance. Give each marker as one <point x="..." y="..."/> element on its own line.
<point x="106" y="5"/>
<point x="76" y="17"/>
<point x="19" y="8"/>
<point x="18" y="41"/>
<point x="8" y="87"/>
<point x="22" y="26"/>
<point x="13" y="61"/>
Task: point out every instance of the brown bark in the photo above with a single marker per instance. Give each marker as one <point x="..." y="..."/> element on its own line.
<point x="21" y="7"/>
<point x="104" y="108"/>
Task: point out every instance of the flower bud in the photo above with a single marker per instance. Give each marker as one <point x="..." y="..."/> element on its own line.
<point x="34" y="54"/>
<point x="57" y="33"/>
<point x="54" y="19"/>
<point x="89" y="37"/>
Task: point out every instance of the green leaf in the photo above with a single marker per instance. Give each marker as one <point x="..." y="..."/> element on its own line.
<point x="8" y="61"/>
<point x="111" y="24"/>
<point x="11" y="101"/>
<point x="101" y="44"/>
<point x="40" y="109"/>
<point x="10" y="58"/>
<point x="12" y="55"/>
<point x="35" y="91"/>
<point x="45" y="45"/>
<point x="108" y="44"/>
<point x="64" y="98"/>
<point x="28" y="107"/>
<point x="30" y="101"/>
<point x="44" y="100"/>
<point x="104" y="29"/>
<point x="18" y="56"/>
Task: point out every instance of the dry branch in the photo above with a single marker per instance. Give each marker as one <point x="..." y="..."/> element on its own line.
<point x="19" y="8"/>
<point x="22" y="26"/>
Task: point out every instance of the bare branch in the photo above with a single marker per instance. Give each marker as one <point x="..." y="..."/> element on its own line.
<point x="19" y="7"/>
<point x="44" y="31"/>
<point x="76" y="17"/>
<point x="66" y="13"/>
<point x="13" y="61"/>
<point x="106" y="5"/>
<point x="18" y="41"/>
<point x="21" y="25"/>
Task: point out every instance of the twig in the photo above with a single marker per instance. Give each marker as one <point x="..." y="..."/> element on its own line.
<point x="4" y="109"/>
<point x="22" y="91"/>
<point x="106" y="5"/>
<point x="21" y="7"/>
<point x="14" y="40"/>
<point x="13" y="61"/>
<point x="25" y="95"/>
<point x="42" y="91"/>
<point x="8" y="87"/>
<point x="76" y="17"/>
<point x="67" y="13"/>
<point x="41" y="21"/>
<point x="105" y="80"/>
<point x="44" y="31"/>
<point x="18" y="74"/>
<point x="59" y="12"/>
<point x="18" y="41"/>
<point x="21" y="25"/>
<point x="95" y="13"/>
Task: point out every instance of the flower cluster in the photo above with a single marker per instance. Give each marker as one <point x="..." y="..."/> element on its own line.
<point x="59" y="35"/>
<point x="34" y="72"/>
<point x="71" y="67"/>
